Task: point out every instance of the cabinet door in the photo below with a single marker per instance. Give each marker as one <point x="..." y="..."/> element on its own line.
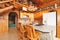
<point x="1" y="28"/>
<point x="3" y="25"/>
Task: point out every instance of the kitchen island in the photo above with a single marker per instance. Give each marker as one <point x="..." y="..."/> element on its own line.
<point x="46" y="31"/>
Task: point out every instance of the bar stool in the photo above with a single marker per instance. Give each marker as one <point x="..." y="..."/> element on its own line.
<point x="31" y="33"/>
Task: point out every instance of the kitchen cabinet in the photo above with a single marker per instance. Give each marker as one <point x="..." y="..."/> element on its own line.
<point x="3" y="24"/>
<point x="30" y="15"/>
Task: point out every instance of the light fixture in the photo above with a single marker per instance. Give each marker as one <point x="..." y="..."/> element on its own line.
<point x="32" y="8"/>
<point x="24" y="8"/>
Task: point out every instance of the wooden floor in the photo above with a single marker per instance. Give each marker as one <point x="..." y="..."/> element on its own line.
<point x="12" y="35"/>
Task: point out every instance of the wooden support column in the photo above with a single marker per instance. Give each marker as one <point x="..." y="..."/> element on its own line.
<point x="58" y="23"/>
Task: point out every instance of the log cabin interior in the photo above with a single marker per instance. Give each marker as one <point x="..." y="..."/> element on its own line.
<point x="29" y="19"/>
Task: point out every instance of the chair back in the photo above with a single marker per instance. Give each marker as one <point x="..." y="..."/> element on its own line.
<point x="30" y="31"/>
<point x="21" y="28"/>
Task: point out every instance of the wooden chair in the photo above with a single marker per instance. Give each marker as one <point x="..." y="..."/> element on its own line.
<point x="21" y="32"/>
<point x="31" y="33"/>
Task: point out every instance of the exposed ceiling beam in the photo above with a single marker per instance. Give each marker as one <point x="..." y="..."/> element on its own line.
<point x="5" y="9"/>
<point x="47" y="4"/>
<point x="4" y="2"/>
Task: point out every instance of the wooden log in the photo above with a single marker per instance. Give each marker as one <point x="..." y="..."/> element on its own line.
<point x="5" y="9"/>
<point x="17" y="5"/>
<point x="4" y="2"/>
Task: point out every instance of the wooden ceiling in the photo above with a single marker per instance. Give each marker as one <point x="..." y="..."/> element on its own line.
<point x="39" y="3"/>
<point x="44" y="3"/>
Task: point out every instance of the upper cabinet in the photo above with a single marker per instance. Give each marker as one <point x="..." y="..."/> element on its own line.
<point x="30" y="15"/>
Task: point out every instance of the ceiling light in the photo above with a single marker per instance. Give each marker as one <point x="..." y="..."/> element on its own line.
<point x="24" y="8"/>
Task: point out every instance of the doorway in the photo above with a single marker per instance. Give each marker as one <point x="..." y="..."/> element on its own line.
<point x="12" y="24"/>
<point x="12" y="21"/>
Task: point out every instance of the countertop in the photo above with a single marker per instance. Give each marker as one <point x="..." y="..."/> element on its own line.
<point x="44" y="28"/>
<point x="41" y="28"/>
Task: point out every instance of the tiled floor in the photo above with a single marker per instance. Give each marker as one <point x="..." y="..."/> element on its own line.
<point x="12" y="35"/>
